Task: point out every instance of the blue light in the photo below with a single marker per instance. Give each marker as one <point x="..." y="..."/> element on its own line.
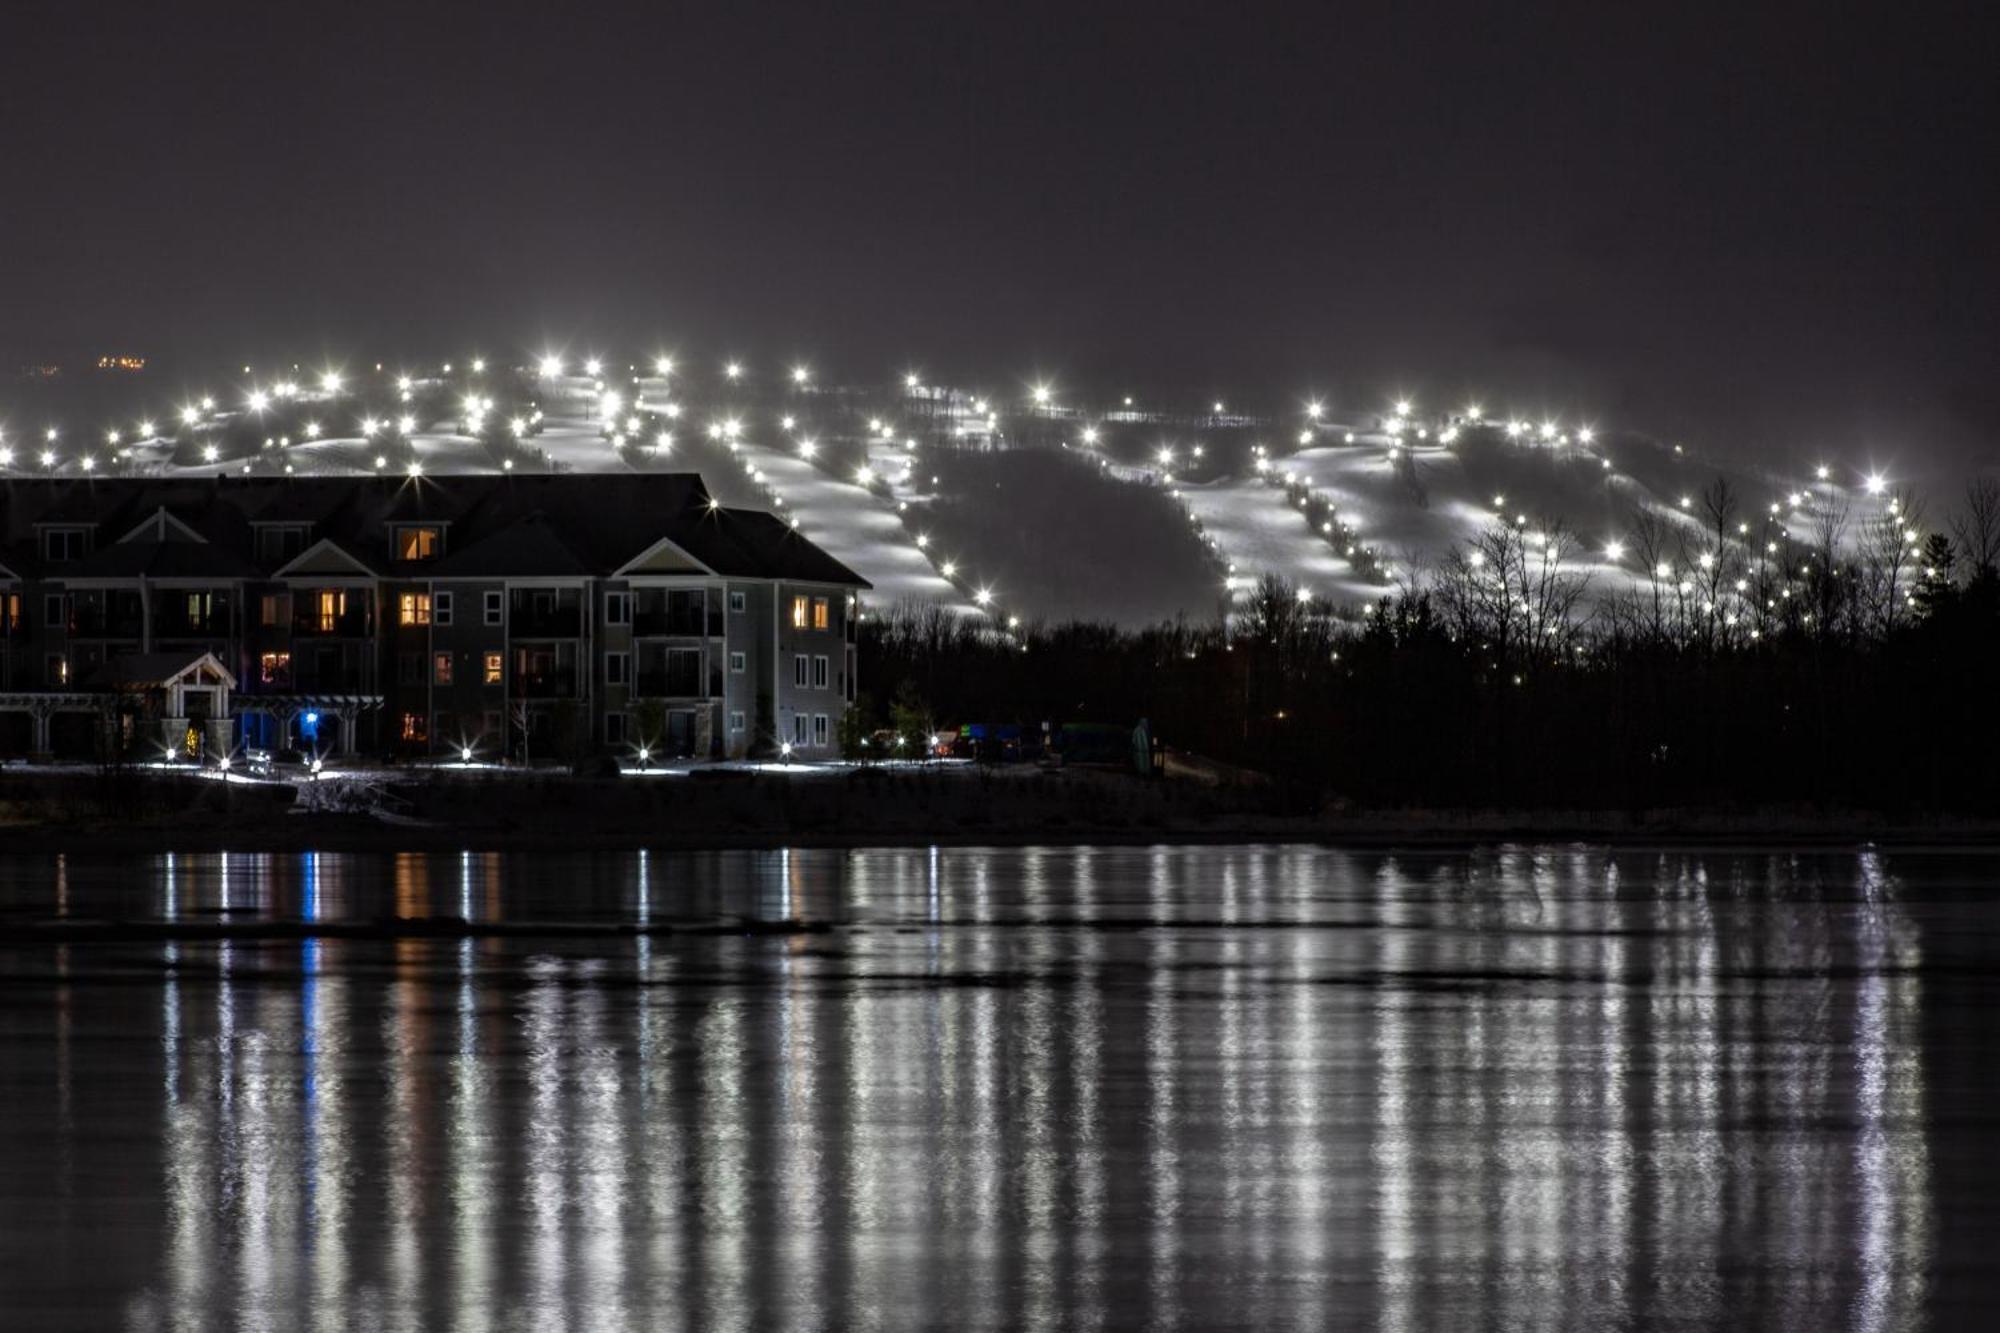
<point x="312" y="719"/>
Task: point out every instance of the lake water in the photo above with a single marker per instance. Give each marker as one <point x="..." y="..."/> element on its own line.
<point x="1178" y="1088"/>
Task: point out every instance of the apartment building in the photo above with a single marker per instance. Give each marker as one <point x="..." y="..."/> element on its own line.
<point x="535" y="616"/>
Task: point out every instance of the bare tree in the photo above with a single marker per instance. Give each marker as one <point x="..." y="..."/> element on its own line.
<point x="1977" y="528"/>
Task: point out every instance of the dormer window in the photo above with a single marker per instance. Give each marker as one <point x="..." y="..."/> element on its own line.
<point x="419" y="543"/>
<point x="280" y="542"/>
<point x="62" y="545"/>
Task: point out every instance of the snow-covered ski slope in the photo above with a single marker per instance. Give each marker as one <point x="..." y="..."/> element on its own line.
<point x="1011" y="510"/>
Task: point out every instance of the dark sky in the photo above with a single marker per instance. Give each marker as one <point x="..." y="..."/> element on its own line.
<point x="1762" y="230"/>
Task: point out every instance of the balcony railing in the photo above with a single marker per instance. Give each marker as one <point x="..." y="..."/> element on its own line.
<point x="547" y="685"/>
<point x="561" y="623"/>
<point x="678" y="624"/>
<point x="352" y="625"/>
<point x="674" y="685"/>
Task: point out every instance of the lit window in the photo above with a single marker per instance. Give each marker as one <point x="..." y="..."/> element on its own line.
<point x="415" y="728"/>
<point x="493" y="669"/>
<point x="274" y="608"/>
<point x="58" y="668"/>
<point x="416" y="608"/>
<point x="13" y="612"/>
<point x="441" y="668"/>
<point x="332" y="607"/>
<point x="418" y="543"/>
<point x="799" y="612"/>
<point x="275" y="668"/>
<point x="819" y="613"/>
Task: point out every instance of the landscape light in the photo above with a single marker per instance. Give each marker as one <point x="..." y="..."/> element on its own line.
<point x="146" y="430"/>
<point x="404" y="384"/>
<point x="734" y="370"/>
<point x="48" y="458"/>
<point x="1402" y="407"/>
<point x="910" y="382"/>
<point x="1041" y="394"/>
<point x="209" y="453"/>
<point x="1875" y="483"/>
<point x="593" y="367"/>
<point x="948" y="568"/>
<point x="550" y="367"/>
<point x="190" y="414"/>
<point x="330" y="382"/>
<point x="258" y="400"/>
<point x="1614" y="550"/>
<point x="465" y="754"/>
<point x="663" y="366"/>
<point x="1090" y="435"/>
<point x="982" y="597"/>
<point x="800" y="375"/>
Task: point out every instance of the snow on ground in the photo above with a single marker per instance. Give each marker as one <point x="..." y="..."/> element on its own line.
<point x="1128" y="550"/>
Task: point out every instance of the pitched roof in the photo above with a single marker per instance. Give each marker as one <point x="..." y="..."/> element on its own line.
<point x="501" y="525"/>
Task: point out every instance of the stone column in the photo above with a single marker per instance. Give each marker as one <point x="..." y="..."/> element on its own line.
<point x="40" y="712"/>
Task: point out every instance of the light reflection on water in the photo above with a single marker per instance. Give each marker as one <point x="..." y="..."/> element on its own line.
<point x="1094" y="1088"/>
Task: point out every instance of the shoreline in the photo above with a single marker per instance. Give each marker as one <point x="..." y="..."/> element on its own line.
<point x="1442" y="831"/>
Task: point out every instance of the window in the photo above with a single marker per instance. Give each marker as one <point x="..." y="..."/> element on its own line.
<point x="737" y="664"/>
<point x="13" y="613"/>
<point x="57" y="667"/>
<point x="419" y="543"/>
<point x="617" y="668"/>
<point x="799" y="670"/>
<point x="441" y="668"/>
<point x="736" y="720"/>
<point x="739" y="602"/>
<point x="409" y="668"/>
<point x="441" y="608"/>
<point x="819" y="728"/>
<point x="53" y="616"/>
<point x="332" y="609"/>
<point x="416" y="608"/>
<point x="819" y="673"/>
<point x="415" y="728"/>
<point x="799" y="612"/>
<point x="275" y="668"/>
<point x="614" y="728"/>
<point x="62" y="545"/>
<point x="274" y="608"/>
<point x="493" y="672"/>
<point x="819" y="613"/>
<point x="798" y="728"/>
<point x="200" y="606"/>
<point x="496" y="608"/>
<point x="279" y="542"/>
<point x="617" y="608"/>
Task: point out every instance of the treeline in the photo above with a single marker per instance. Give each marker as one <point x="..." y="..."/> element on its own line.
<point x="1745" y="665"/>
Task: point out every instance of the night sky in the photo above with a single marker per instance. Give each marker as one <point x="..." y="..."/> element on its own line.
<point x="1764" y="231"/>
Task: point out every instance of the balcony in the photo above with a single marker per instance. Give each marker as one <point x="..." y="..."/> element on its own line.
<point x="675" y="685"/>
<point x="546" y="685"/>
<point x="350" y="625"/>
<point x="676" y="624"/>
<point x="561" y="622"/>
<point x="189" y="627"/>
<point x="89" y="624"/>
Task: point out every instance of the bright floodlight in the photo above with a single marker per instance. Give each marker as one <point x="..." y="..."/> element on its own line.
<point x="948" y="568"/>
<point x="407" y="425"/>
<point x="1090" y="435"/>
<point x="1313" y="409"/>
<point x="663" y="366"/>
<point x="800" y="374"/>
<point x="1586" y="435"/>
<point x="209" y="453"/>
<point x="1402" y="407"/>
<point x="734" y="370"/>
<point x="146" y="430"/>
<point x="330" y="382"/>
<point x="593" y="367"/>
<point x="478" y="365"/>
<point x="1166" y="454"/>
<point x="910" y="383"/>
<point x="190" y="414"/>
<point x="259" y="400"/>
<point x="1821" y="472"/>
<point x="1041" y="395"/>
<point x="465" y="754"/>
<point x="807" y="448"/>
<point x="550" y="367"/>
<point x="982" y="597"/>
<point x="1875" y="483"/>
<point x="1474" y="412"/>
<point x="1614" y="550"/>
<point x="48" y="458"/>
<point x="404" y="384"/>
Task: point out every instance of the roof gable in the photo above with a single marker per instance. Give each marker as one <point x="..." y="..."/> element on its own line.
<point x="162" y="526"/>
<point x="323" y="557"/>
<point x="664" y="556"/>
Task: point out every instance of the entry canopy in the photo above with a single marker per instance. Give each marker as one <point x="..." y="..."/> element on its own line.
<point x="163" y="671"/>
